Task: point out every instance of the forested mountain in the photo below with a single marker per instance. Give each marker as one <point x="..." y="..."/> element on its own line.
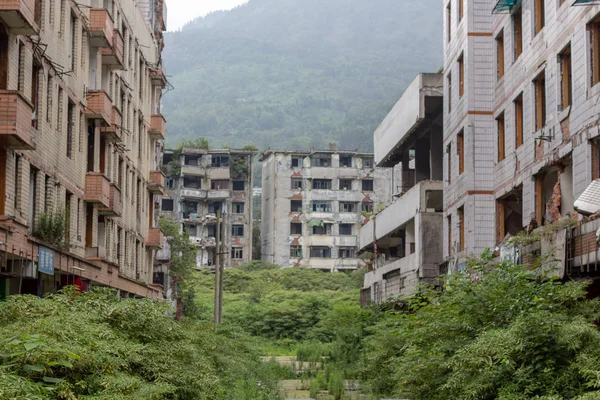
<point x="297" y="73"/>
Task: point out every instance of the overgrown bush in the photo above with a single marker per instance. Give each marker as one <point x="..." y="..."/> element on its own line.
<point x="51" y="228"/>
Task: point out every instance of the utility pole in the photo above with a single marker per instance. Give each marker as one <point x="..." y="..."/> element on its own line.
<point x="218" y="279"/>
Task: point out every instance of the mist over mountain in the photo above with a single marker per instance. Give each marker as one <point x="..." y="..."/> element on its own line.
<point x="297" y="73"/>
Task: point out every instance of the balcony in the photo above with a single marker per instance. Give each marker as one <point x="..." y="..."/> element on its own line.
<point x="155" y="238"/>
<point x="112" y="57"/>
<point x="19" y="16"/>
<point x="99" y="106"/>
<point x="97" y="189"/>
<point x="101" y="28"/>
<point x="218" y="194"/>
<point x="95" y="253"/>
<point x="158" y="127"/>
<point x="157" y="77"/>
<point x="222" y="173"/>
<point x="192" y="194"/>
<point x="114" y="131"/>
<point x="156" y="184"/>
<point x="15" y="121"/>
<point x="193" y="170"/>
<point x="116" y="206"/>
<point x="207" y="241"/>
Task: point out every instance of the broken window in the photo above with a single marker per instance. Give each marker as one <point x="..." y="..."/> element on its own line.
<point x="296" y="183"/>
<point x="367" y="206"/>
<point x="540" y="101"/>
<point x="297" y="161"/>
<point x="321" y="160"/>
<point x="500" y="54"/>
<point x="219" y="185"/>
<point x="239" y="186"/>
<point x="345" y="229"/>
<point x="320" y="252"/>
<point x="214" y="207"/>
<point x="367" y="185"/>
<point x="346" y="161"/>
<point x="192" y="160"/>
<point x="321" y="184"/>
<point x="321" y="206"/>
<point x="594" y="29"/>
<point x="566" y="79"/>
<point x="296" y="206"/>
<point x="169" y="182"/>
<point x="509" y="215"/>
<point x="188" y="208"/>
<point x="347" y="252"/>
<point x="295" y="228"/>
<point x="237" y="253"/>
<point x="219" y="161"/>
<point x="238" y="208"/>
<point x="347" y="207"/>
<point x="345" y="184"/>
<point x="296" y="251"/>
<point x="518" y="104"/>
<point x="167" y="205"/>
<point x="449" y="167"/>
<point x="192" y="182"/>
<point x="548" y="196"/>
<point x="237" y="230"/>
<point x="324" y="229"/>
<point x="517" y="23"/>
<point x="368" y="162"/>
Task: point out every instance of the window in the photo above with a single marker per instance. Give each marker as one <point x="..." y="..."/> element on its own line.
<point x="540" y="15"/>
<point x="321" y="206"/>
<point x="35" y="93"/>
<point x="214" y="207"/>
<point x="237" y="253"/>
<point x="500" y="54"/>
<point x="192" y="160"/>
<point x="321" y="160"/>
<point x="346" y="252"/>
<point x="566" y="82"/>
<point x="296" y="206"/>
<point x="321" y="184"/>
<point x="219" y="161"/>
<point x="347" y="207"/>
<point x="167" y="205"/>
<point x="20" y="77"/>
<point x="49" y="87"/>
<point x="192" y="182"/>
<point x="346" y="161"/>
<point x="461" y="75"/>
<point x="296" y="183"/>
<point x="70" y="125"/>
<point x="219" y="185"/>
<point x="297" y="161"/>
<point x="449" y="20"/>
<point x="461" y="222"/>
<point x="500" y="127"/>
<point x="449" y="158"/>
<point x="460" y="151"/>
<point x="517" y="23"/>
<point x="169" y="183"/>
<point x="367" y="206"/>
<point x="449" y="219"/>
<point x="518" y="104"/>
<point x="367" y="185"/>
<point x="367" y="163"/>
<point x="449" y="81"/>
<point x="594" y="29"/>
<point x="324" y="229"/>
<point x="296" y="251"/>
<point x="595" y="159"/>
<point x="295" y="228"/>
<point x="320" y="252"/>
<point x="540" y="101"/>
<point x="239" y="186"/>
<point x="73" y="41"/>
<point x="345" y="184"/>
<point x="345" y="229"/>
<point x="237" y="230"/>
<point x="238" y="208"/>
<point x="461" y="9"/>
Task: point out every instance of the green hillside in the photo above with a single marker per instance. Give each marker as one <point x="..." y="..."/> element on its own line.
<point x="297" y="73"/>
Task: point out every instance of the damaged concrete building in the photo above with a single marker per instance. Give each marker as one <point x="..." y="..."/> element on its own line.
<point x="202" y="182"/>
<point x="522" y="91"/>
<point x="406" y="237"/>
<point x="314" y="204"/>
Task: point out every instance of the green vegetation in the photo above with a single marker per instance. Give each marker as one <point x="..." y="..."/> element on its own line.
<point x="296" y="74"/>
<point x="51" y="228"/>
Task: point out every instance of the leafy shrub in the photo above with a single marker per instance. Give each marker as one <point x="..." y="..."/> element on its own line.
<point x="51" y="228"/>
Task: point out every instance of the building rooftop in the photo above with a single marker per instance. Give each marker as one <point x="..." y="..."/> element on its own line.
<point x="357" y="153"/>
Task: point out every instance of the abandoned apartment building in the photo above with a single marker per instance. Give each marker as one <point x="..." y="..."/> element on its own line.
<point x="80" y="94"/>
<point x="405" y="238"/>
<point x="202" y="183"/>
<point x="314" y="204"/>
<point x="521" y="125"/>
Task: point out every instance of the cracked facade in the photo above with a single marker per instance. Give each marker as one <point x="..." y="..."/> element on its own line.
<point x="207" y="181"/>
<point x="80" y="92"/>
<point x="314" y="205"/>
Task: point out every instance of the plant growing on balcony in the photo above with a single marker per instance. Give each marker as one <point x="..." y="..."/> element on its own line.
<point x="51" y="228"/>
<point x="239" y="167"/>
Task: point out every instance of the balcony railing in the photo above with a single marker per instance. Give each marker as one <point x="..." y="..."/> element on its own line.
<point x="158" y="127"/>
<point x="113" y="132"/>
<point x="156" y="184"/>
<point x="101" y="28"/>
<point x="97" y="189"/>
<point x="158" y="78"/>
<point x="99" y="106"/>
<point x="192" y="194"/>
<point x="19" y="16"/>
<point x="113" y="56"/>
<point x="155" y="238"/>
<point x="15" y="120"/>
<point x="116" y="206"/>
<point x="218" y="194"/>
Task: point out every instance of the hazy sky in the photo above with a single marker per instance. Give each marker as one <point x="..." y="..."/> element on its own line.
<point x="181" y="11"/>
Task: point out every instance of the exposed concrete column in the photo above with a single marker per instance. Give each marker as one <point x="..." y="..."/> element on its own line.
<point x="422" y="170"/>
<point x="437" y="154"/>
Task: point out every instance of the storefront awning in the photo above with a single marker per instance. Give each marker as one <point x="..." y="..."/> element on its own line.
<point x="505" y="6"/>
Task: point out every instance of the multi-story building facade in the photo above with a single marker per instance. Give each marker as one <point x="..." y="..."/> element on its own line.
<point x="314" y="205"/>
<point x="202" y="182"/>
<point x="80" y="92"/>
<point x="406" y="237"/>
<point x="521" y="121"/>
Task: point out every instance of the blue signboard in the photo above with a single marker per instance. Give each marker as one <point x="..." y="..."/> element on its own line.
<point x="45" y="260"/>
